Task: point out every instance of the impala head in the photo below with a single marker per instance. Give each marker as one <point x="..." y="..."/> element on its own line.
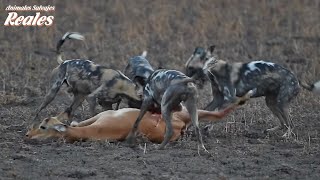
<point x="197" y="62"/>
<point x="49" y="127"/>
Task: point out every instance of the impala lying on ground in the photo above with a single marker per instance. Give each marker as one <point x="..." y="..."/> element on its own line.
<point x="116" y="124"/>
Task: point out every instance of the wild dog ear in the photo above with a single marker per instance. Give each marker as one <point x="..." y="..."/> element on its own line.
<point x="60" y="127"/>
<point x="211" y="48"/>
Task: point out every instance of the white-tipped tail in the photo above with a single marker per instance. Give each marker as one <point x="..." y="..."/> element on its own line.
<point x="68" y="35"/>
<point x="250" y="93"/>
<point x="316" y="88"/>
<point x="144" y="54"/>
<point x="73" y="35"/>
<point x="59" y="59"/>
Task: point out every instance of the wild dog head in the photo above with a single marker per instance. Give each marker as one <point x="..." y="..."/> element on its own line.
<point x="203" y="65"/>
<point x="195" y="64"/>
<point x="138" y="70"/>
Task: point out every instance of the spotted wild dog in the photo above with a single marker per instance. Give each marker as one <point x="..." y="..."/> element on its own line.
<point x="117" y="124"/>
<point x="228" y="80"/>
<point x="163" y="91"/>
<point x="87" y="80"/>
<point x="138" y="70"/>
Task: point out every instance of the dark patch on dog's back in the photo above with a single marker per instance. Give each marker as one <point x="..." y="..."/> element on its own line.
<point x="112" y="82"/>
<point x="87" y="67"/>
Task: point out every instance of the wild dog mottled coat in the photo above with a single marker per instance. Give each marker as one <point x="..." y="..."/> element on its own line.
<point x="164" y="90"/>
<point x="86" y="79"/>
<point x="228" y="80"/>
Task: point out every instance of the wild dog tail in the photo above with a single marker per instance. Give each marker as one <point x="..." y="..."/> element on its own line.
<point x="68" y="35"/>
<point x="144" y="54"/>
<point x="315" y="88"/>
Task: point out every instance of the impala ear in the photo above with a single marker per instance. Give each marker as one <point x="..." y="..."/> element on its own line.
<point x="60" y="127"/>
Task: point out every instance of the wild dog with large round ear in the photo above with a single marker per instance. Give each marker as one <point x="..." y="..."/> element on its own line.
<point x="228" y="80"/>
<point x="87" y="80"/>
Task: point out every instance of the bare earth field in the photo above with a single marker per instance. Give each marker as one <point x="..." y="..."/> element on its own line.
<point x="285" y="32"/>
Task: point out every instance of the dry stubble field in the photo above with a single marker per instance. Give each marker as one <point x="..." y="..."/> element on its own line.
<point x="286" y="32"/>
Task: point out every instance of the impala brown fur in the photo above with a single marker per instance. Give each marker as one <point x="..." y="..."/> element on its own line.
<point x="117" y="124"/>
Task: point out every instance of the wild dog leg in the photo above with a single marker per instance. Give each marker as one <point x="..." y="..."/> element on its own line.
<point x="171" y="99"/>
<point x="167" y="116"/>
<point x="118" y="104"/>
<point x="92" y="99"/>
<point x="287" y="92"/>
<point x="217" y="97"/>
<point x="147" y="101"/>
<point x="69" y="112"/>
<point x="191" y="105"/>
<point x="271" y="102"/>
<point x="288" y="121"/>
<point x="49" y="97"/>
<point x="216" y="102"/>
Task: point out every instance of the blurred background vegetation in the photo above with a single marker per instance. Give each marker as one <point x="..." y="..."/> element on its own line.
<point x="286" y="32"/>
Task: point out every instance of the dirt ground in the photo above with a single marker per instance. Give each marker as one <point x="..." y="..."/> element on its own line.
<point x="285" y="32"/>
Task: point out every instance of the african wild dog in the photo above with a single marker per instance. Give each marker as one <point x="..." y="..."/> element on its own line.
<point x="277" y="84"/>
<point x="138" y="70"/>
<point x="164" y="90"/>
<point x="87" y="80"/>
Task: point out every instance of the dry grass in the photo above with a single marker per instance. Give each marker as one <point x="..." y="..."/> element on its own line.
<point x="286" y="32"/>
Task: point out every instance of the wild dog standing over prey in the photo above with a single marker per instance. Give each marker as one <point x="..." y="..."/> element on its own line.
<point x="165" y="90"/>
<point x="116" y="125"/>
<point x="87" y="80"/>
<point x="228" y="80"/>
